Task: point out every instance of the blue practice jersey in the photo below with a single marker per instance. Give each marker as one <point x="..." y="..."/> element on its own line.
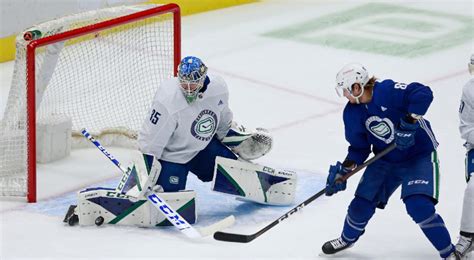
<point x="370" y="127"/>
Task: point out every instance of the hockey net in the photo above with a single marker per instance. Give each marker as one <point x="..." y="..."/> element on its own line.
<point x="99" y="68"/>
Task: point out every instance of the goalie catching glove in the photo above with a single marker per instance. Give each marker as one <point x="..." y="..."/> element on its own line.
<point x="248" y="144"/>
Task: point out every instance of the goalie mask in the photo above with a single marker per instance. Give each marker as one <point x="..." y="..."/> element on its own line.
<point x="191" y="73"/>
<point x="349" y="75"/>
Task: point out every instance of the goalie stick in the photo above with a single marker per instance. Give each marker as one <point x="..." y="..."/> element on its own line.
<point x="126" y="171"/>
<point x="240" y="238"/>
<point x="173" y="216"/>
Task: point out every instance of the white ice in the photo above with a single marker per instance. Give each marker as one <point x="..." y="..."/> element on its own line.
<point x="286" y="86"/>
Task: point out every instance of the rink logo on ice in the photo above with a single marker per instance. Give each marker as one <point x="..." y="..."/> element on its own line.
<point x="383" y="29"/>
<point x="205" y="125"/>
<point x="415" y="182"/>
<point x="381" y="128"/>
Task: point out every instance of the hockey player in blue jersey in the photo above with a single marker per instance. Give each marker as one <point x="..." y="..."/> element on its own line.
<point x="379" y="113"/>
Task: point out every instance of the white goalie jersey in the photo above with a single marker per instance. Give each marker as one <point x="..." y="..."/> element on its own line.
<point x="176" y="131"/>
<point x="466" y="114"/>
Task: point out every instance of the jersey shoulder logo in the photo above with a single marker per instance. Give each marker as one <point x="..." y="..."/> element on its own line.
<point x="381" y="128"/>
<point x="205" y="125"/>
<point x="383" y="108"/>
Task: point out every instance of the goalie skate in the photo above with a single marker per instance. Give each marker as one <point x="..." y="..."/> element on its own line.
<point x="71" y="218"/>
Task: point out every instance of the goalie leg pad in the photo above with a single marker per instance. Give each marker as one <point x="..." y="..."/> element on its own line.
<point x="254" y="182"/>
<point x="120" y="209"/>
<point x="146" y="176"/>
<point x="128" y="181"/>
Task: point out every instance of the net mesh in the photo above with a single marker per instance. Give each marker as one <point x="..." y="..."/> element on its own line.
<point x="104" y="81"/>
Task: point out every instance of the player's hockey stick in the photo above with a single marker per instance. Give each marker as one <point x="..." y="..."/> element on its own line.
<point x="232" y="237"/>
<point x="173" y="216"/>
<point x="368" y="162"/>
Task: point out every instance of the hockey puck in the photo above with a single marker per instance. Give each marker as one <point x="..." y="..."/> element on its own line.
<point x="99" y="221"/>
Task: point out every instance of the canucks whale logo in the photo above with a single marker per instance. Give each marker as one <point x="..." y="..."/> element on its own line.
<point x="205" y="125"/>
<point x="381" y="128"/>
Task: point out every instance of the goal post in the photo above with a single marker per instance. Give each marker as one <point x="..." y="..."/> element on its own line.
<point x="99" y="68"/>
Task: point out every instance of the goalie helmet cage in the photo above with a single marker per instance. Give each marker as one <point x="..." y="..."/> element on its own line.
<point x="99" y="68"/>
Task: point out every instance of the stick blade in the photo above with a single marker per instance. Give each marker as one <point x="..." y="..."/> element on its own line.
<point x="230" y="237"/>
<point x="220" y="225"/>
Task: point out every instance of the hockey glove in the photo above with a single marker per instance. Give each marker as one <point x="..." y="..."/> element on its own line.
<point x="336" y="172"/>
<point x="469" y="164"/>
<point x="248" y="144"/>
<point x="405" y="134"/>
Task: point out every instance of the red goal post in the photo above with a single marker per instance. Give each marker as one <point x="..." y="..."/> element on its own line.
<point x="127" y="54"/>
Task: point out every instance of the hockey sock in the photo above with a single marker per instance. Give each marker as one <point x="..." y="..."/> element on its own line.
<point x="422" y="211"/>
<point x="467" y="217"/>
<point x="358" y="215"/>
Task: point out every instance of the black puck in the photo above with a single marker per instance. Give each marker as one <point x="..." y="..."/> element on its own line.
<point x="99" y="221"/>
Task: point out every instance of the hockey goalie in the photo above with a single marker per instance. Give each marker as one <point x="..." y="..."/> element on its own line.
<point x="189" y="129"/>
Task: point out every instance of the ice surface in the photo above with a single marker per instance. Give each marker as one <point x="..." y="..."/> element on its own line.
<point x="285" y="85"/>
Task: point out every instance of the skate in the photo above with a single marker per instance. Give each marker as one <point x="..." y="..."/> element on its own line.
<point x="335" y="245"/>
<point x="464" y="245"/>
<point x="454" y="256"/>
<point x="71" y="218"/>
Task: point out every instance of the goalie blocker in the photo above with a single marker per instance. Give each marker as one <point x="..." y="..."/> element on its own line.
<point x="253" y="182"/>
